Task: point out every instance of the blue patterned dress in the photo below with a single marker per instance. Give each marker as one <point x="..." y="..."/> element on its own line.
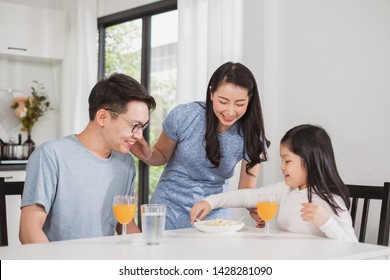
<point x="189" y="176"/>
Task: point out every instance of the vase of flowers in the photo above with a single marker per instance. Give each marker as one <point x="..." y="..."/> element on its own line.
<point x="29" y="110"/>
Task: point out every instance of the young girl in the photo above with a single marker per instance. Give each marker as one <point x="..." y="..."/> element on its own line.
<point x="312" y="199"/>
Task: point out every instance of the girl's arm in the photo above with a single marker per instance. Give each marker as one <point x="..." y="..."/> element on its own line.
<point x="202" y="208"/>
<point x="339" y="227"/>
<point x="160" y="154"/>
<point x="333" y="226"/>
<point x="234" y="199"/>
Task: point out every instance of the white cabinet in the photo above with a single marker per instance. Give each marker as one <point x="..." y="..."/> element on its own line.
<point x="13" y="175"/>
<point x="32" y="32"/>
<point x="13" y="206"/>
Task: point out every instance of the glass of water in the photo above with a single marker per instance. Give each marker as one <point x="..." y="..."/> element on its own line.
<point x="153" y="222"/>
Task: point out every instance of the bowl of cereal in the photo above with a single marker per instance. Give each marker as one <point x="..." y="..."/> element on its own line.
<point x="219" y="226"/>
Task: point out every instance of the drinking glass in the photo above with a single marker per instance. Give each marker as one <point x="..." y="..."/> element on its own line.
<point x="124" y="208"/>
<point x="267" y="207"/>
<point x="153" y="223"/>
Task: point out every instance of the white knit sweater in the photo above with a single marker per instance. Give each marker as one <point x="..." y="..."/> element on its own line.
<point x="289" y="213"/>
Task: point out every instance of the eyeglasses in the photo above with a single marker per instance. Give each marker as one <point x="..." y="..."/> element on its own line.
<point x="135" y="127"/>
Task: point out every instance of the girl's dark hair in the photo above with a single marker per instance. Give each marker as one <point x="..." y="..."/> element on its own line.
<point x="250" y="125"/>
<point x="313" y="145"/>
<point x="116" y="92"/>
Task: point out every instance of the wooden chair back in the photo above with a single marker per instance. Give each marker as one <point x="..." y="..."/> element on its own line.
<point x="7" y="188"/>
<point x="367" y="193"/>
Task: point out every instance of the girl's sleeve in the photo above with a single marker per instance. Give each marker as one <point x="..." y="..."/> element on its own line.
<point x="340" y="227"/>
<point x="243" y="198"/>
<point x="246" y="198"/>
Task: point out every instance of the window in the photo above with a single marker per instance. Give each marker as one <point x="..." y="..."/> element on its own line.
<point x="142" y="43"/>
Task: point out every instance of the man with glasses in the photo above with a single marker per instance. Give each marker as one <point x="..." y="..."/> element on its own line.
<point x="135" y="127"/>
<point x="71" y="181"/>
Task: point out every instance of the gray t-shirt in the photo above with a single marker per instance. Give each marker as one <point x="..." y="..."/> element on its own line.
<point x="189" y="176"/>
<point x="76" y="188"/>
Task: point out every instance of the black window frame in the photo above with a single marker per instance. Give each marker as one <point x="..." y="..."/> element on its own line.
<point x="145" y="13"/>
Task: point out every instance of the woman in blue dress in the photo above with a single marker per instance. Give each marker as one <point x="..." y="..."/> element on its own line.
<point x="202" y="142"/>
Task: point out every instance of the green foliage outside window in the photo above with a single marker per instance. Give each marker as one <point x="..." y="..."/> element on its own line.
<point x="123" y="45"/>
<point x="123" y="49"/>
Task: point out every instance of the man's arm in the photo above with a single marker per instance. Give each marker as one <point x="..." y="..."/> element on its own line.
<point x="31" y="223"/>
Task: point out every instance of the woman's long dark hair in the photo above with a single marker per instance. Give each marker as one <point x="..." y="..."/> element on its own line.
<point x="250" y="125"/>
<point x="313" y="145"/>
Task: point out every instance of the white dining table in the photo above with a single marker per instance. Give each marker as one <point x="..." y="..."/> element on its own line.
<point x="190" y="244"/>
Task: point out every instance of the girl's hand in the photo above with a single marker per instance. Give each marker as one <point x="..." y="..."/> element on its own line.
<point x="314" y="213"/>
<point x="199" y="210"/>
<point x="259" y="222"/>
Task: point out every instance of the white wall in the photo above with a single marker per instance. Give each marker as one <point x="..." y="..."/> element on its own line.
<point x="327" y="62"/>
<point x="331" y="62"/>
<point x="48" y="4"/>
<point x="108" y="7"/>
<point x="18" y="73"/>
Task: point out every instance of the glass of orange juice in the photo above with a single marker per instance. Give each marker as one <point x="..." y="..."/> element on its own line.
<point x="267" y="207"/>
<point x="124" y="209"/>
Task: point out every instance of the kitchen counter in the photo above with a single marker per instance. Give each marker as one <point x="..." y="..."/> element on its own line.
<point x="9" y="167"/>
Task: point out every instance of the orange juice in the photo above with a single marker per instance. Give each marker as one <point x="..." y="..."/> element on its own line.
<point x="267" y="210"/>
<point x="124" y="213"/>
